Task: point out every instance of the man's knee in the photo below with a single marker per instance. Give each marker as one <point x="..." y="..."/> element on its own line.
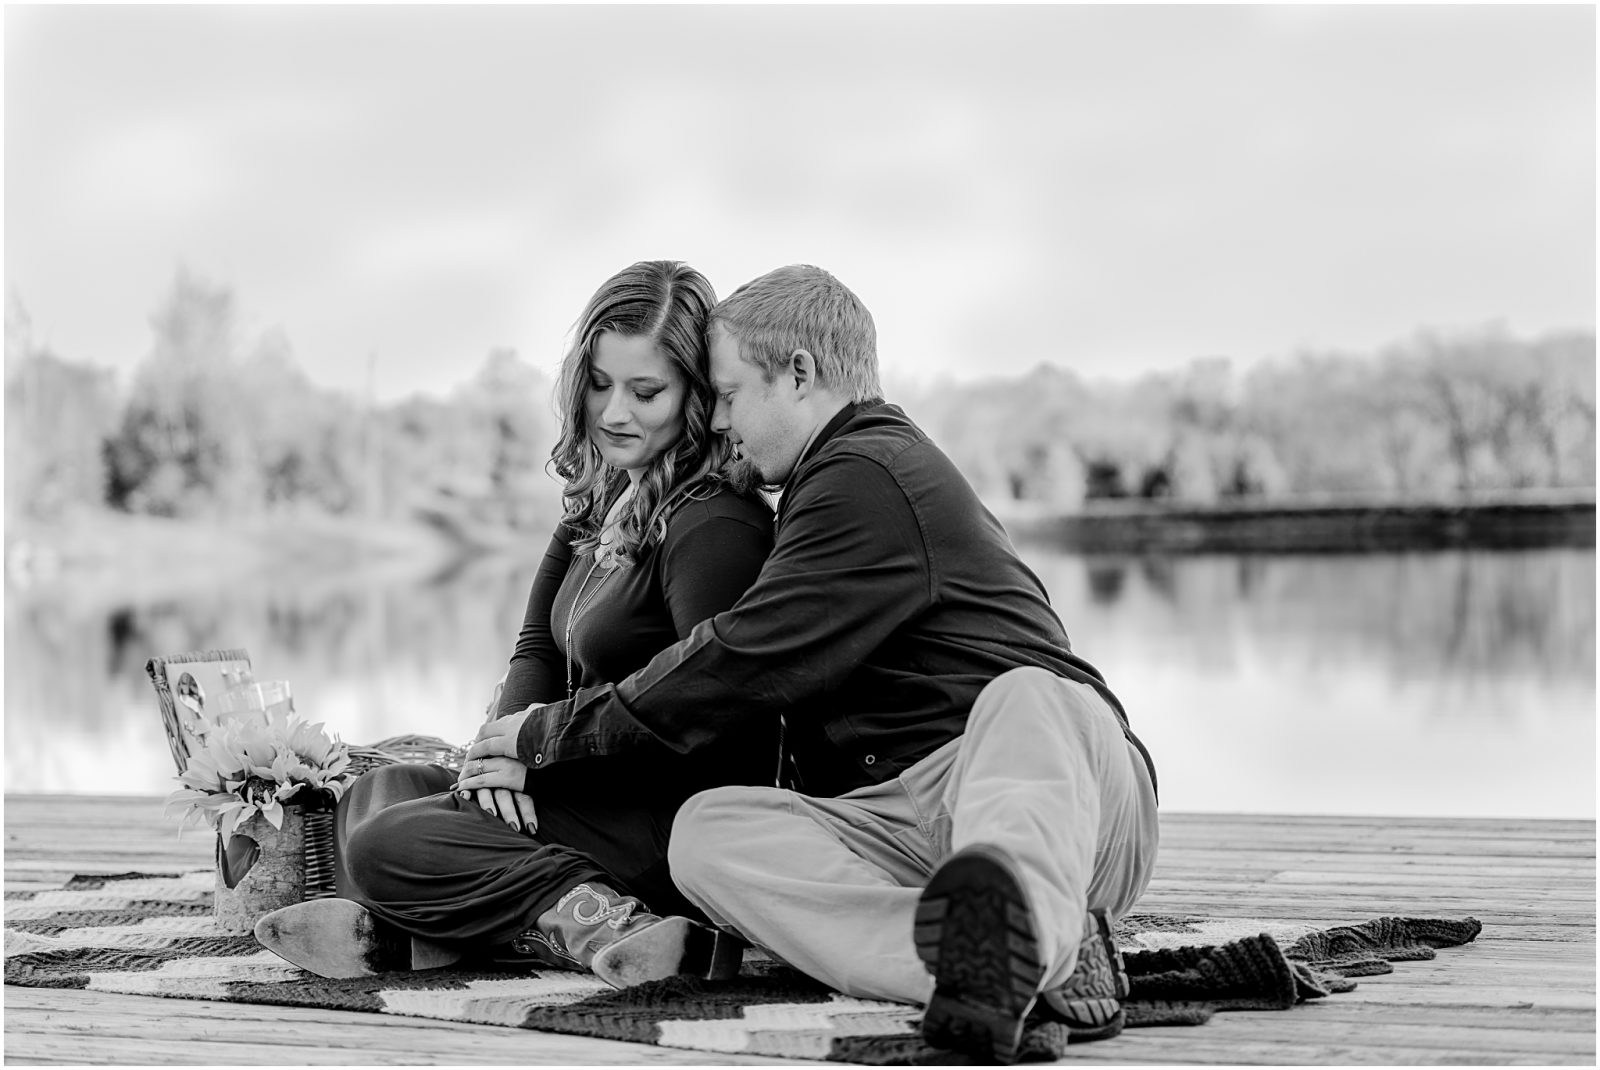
<point x="705" y="831"/>
<point x="1026" y="701"/>
<point x="1024" y="682"/>
<point x="1026" y="688"/>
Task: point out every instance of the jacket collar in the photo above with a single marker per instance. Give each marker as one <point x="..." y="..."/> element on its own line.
<point x="829" y="429"/>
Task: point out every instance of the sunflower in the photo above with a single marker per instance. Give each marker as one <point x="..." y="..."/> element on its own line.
<point x="252" y="764"/>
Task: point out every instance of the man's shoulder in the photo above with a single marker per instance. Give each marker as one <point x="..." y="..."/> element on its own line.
<point x="884" y="436"/>
<point x="879" y="433"/>
<point x="883" y="457"/>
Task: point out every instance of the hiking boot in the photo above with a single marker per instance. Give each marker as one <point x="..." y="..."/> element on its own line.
<point x="342" y="938"/>
<point x="1089" y="1002"/>
<point x="625" y="945"/>
<point x="974" y="931"/>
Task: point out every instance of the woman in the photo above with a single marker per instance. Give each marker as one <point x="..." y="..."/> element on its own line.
<point x="657" y="536"/>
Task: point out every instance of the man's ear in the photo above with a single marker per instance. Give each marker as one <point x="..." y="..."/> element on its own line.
<point x="802" y="371"/>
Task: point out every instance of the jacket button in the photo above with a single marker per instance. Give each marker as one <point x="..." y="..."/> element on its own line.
<point x="538" y="758"/>
<point x="871" y="759"/>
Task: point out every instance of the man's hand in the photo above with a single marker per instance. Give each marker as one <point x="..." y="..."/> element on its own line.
<point x="498" y="739"/>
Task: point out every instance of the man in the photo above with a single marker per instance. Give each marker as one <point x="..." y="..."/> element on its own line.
<point x="960" y="807"/>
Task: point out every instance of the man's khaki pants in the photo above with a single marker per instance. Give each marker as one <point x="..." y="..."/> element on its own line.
<point x="830" y="886"/>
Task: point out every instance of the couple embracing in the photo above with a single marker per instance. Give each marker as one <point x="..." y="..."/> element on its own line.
<point x="852" y="734"/>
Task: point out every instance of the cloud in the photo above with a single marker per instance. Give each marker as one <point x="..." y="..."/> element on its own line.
<point x="414" y="251"/>
<point x="163" y="165"/>
<point x="1003" y="185"/>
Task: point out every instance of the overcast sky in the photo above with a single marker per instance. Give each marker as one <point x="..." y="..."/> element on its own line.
<point x="1110" y="188"/>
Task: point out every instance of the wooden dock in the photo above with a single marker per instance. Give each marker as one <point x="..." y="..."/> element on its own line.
<point x="1523" y="993"/>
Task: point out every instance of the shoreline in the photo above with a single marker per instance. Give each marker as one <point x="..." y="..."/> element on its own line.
<point x="168" y="555"/>
<point x="1320" y="525"/>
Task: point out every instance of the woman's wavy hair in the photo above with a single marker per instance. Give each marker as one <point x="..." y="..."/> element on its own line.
<point x="668" y="302"/>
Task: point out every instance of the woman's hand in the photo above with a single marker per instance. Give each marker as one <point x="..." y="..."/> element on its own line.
<point x="496" y="785"/>
<point x="512" y="807"/>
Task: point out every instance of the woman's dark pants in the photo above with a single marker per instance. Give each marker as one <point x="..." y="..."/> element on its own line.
<point x="441" y="867"/>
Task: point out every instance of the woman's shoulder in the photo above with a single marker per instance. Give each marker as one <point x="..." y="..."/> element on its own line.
<point x="720" y="504"/>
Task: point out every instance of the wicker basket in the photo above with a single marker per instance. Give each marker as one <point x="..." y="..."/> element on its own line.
<point x="319" y="824"/>
<point x="193" y="680"/>
<point x="398" y="749"/>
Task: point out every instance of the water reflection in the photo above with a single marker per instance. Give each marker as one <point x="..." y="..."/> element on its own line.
<point x="1471" y="617"/>
<point x="1448" y="683"/>
<point x="1430" y="683"/>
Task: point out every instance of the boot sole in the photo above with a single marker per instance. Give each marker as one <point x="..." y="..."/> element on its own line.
<point x="975" y="933"/>
<point x="339" y="938"/>
<point x="671" y="947"/>
<point x="1094" y="1017"/>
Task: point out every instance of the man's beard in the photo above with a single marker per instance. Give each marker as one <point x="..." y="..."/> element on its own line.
<point x="745" y="476"/>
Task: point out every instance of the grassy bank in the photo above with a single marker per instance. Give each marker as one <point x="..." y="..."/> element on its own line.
<point x="108" y="550"/>
<point x="1506" y="520"/>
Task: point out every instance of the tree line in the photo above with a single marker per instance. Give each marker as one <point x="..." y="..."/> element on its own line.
<point x="1438" y="414"/>
<point x="214" y="423"/>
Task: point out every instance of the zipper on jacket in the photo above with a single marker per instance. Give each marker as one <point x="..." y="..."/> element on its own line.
<point x="783" y="732"/>
<point x="785" y="758"/>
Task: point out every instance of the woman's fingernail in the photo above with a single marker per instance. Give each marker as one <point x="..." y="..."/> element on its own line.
<point x="515" y="827"/>
<point x="462" y="794"/>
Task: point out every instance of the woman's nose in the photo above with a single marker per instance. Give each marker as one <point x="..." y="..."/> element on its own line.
<point x="616" y="410"/>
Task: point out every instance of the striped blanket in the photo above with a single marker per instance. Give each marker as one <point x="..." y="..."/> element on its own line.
<point x="152" y="934"/>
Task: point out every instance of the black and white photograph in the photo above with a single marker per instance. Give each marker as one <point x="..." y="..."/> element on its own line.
<point x="579" y="534"/>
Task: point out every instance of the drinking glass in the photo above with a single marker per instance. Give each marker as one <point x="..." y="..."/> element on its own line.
<point x="265" y="697"/>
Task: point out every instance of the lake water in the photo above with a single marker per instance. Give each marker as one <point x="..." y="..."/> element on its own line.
<point x="1440" y="683"/>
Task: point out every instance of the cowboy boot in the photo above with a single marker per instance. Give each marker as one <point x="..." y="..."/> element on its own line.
<point x="342" y="938"/>
<point x="625" y="945"/>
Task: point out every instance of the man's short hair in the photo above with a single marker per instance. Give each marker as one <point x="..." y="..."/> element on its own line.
<point x="804" y="307"/>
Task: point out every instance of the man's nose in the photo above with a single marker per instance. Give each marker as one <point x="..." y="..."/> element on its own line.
<point x="719" y="417"/>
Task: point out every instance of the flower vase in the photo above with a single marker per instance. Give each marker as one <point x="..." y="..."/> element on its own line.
<point x="261" y="874"/>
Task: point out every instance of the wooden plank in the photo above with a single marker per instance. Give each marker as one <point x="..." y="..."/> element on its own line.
<point x="1487" y="995"/>
<point x="1576" y="1021"/>
<point x="1420" y="902"/>
<point x="1304" y="1025"/>
<point x="1232" y="1040"/>
<point x="1393" y="843"/>
<point x="1397" y="890"/>
<point x="1380" y="836"/>
<point x="1206" y="867"/>
<point x="1364" y="823"/>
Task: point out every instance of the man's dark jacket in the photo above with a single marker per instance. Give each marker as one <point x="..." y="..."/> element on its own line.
<point x="891" y="598"/>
